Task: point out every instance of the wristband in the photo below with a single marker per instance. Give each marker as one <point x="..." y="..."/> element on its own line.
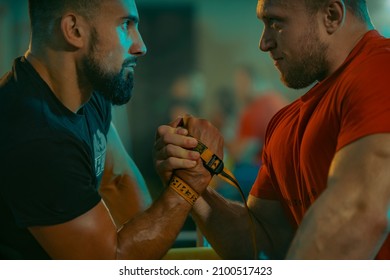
<point x="184" y="190"/>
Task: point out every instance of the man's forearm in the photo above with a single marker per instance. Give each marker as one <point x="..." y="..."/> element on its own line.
<point x="151" y="234"/>
<point x="225" y="224"/>
<point x="336" y="229"/>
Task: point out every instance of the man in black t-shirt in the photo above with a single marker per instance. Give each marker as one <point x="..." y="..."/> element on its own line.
<point x="68" y="190"/>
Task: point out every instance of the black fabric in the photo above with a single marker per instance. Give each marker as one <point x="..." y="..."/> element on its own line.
<point x="51" y="159"/>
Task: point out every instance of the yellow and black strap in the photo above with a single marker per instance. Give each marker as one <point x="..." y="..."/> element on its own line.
<point x="183" y="189"/>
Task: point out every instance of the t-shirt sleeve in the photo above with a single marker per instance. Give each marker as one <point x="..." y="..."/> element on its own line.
<point x="365" y="108"/>
<point x="49" y="182"/>
<point x="262" y="188"/>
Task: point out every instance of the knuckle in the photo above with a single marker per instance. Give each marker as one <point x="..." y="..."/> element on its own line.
<point x="205" y="122"/>
<point x="170" y="149"/>
<point x="166" y="138"/>
<point x="171" y="161"/>
<point x="161" y="130"/>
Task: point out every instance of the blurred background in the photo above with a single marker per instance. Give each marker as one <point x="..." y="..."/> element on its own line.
<point x="201" y="53"/>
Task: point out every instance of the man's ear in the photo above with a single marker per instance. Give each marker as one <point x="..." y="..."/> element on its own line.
<point x="74" y="30"/>
<point x="334" y="15"/>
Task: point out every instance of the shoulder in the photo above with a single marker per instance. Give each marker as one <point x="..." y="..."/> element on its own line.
<point x="364" y="77"/>
<point x="362" y="94"/>
<point x="368" y="77"/>
<point x="370" y="58"/>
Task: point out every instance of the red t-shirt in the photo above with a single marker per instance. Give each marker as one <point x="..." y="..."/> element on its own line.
<point x="303" y="137"/>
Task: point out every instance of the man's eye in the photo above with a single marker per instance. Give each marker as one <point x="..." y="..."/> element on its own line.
<point x="274" y="24"/>
<point x="126" y="24"/>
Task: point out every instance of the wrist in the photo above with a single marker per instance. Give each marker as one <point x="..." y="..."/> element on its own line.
<point x="183" y="189"/>
<point x="198" y="177"/>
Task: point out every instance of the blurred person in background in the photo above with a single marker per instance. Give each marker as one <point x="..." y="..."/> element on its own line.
<point x="254" y="110"/>
<point x="242" y="113"/>
<point x="183" y="99"/>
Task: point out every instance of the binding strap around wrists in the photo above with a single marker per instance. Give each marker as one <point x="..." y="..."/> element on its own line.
<point x="183" y="189"/>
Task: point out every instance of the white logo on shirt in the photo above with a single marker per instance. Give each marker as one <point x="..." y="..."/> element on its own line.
<point x="99" y="146"/>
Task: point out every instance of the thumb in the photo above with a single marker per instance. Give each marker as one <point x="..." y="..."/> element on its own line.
<point x="177" y="122"/>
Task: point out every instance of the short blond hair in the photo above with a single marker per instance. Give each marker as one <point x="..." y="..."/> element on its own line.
<point x="356" y="7"/>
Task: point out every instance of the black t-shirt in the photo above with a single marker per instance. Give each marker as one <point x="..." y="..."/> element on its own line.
<point x="51" y="159"/>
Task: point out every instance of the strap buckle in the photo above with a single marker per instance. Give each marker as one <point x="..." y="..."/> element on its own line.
<point x="214" y="165"/>
<point x="210" y="161"/>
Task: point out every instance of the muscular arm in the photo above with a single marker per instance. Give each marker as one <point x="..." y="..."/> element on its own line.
<point x="146" y="235"/>
<point x="93" y="235"/>
<point x="350" y="220"/>
<point x="123" y="188"/>
<point x="226" y="226"/>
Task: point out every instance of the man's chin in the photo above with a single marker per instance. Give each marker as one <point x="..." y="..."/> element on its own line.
<point x="295" y="83"/>
<point x="120" y="102"/>
<point x="121" y="99"/>
<point x="117" y="98"/>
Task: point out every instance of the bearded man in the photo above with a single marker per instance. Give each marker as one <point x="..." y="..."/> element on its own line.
<point x="68" y="189"/>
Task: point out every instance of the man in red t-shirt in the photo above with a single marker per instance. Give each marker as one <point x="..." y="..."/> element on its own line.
<point x="323" y="191"/>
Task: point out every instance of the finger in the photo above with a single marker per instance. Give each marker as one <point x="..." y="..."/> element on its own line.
<point x="167" y="166"/>
<point x="176" y="152"/>
<point x="181" y="131"/>
<point x="166" y="129"/>
<point x="167" y="138"/>
<point x="177" y="122"/>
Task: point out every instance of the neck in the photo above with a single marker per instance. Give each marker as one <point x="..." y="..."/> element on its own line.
<point x="59" y="71"/>
<point x="345" y="40"/>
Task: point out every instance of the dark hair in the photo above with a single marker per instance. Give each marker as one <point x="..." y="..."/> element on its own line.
<point x="357" y="7"/>
<point x="44" y="12"/>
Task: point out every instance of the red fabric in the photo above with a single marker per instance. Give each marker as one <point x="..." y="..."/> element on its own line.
<point x="303" y="138"/>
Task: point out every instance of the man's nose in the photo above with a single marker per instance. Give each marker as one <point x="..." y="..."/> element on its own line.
<point x="266" y="43"/>
<point x="138" y="47"/>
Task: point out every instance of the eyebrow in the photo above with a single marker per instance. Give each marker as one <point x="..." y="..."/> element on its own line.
<point x="270" y="13"/>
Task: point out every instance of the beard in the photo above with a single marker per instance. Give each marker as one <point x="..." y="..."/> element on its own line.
<point x="116" y="87"/>
<point x="310" y="66"/>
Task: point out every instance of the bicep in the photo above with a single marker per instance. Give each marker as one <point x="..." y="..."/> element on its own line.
<point x="360" y="174"/>
<point x="91" y="235"/>
<point x="123" y="188"/>
<point x="354" y="206"/>
<point x="118" y="161"/>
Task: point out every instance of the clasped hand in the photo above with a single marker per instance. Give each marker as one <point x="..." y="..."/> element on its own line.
<point x="173" y="151"/>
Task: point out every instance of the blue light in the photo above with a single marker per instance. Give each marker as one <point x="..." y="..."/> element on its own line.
<point x="263" y="256"/>
<point x="388" y="218"/>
